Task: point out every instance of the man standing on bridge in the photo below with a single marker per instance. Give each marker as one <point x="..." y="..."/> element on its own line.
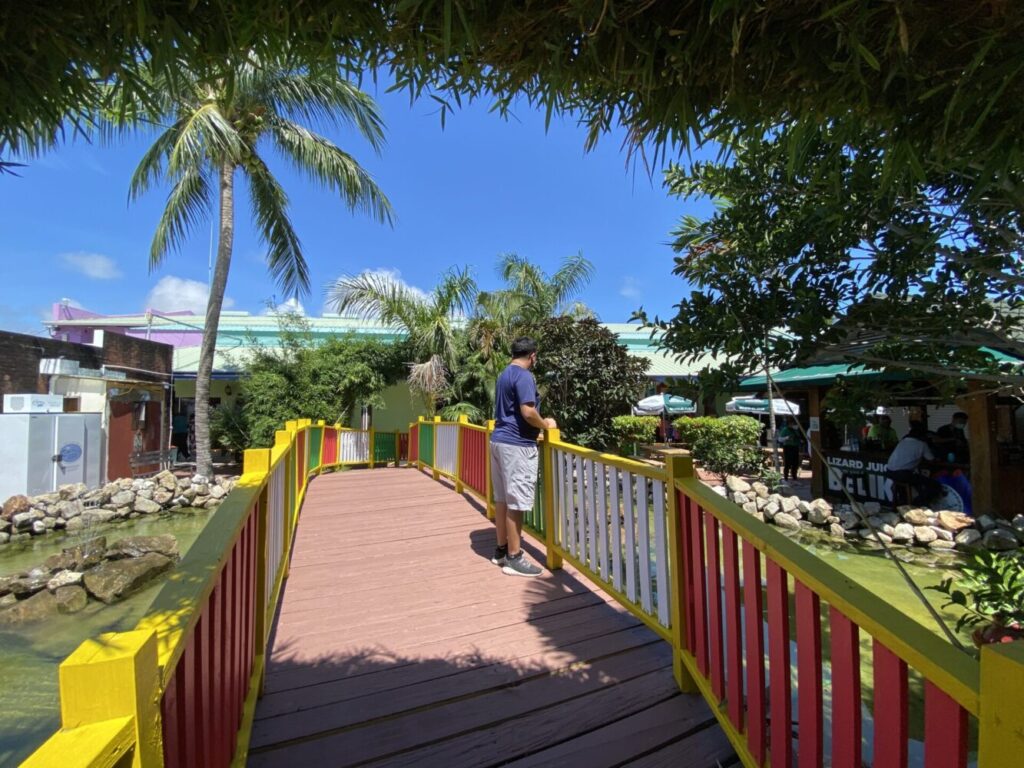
<point x="517" y="423"/>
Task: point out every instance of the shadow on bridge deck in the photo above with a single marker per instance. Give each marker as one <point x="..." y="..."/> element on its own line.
<point x="399" y="643"/>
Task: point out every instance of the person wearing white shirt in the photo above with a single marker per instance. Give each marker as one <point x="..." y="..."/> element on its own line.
<point x="906" y="457"/>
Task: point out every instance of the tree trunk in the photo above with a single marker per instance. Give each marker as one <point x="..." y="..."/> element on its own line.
<point x="771" y="418"/>
<point x="204" y="459"/>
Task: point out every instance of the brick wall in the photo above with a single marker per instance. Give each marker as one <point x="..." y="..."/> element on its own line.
<point x="20" y="355"/>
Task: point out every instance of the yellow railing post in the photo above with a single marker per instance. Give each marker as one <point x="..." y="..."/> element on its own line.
<point x="433" y="467"/>
<point x="115" y="675"/>
<point x="463" y="419"/>
<point x="1001" y="720"/>
<point x="258" y="460"/>
<point x="398" y="451"/>
<point x="678" y="467"/>
<point x="547" y="449"/>
<point x="419" y="456"/>
<point x="488" y="490"/>
<point x="371" y="440"/>
<point x="323" y="438"/>
<point x="285" y="437"/>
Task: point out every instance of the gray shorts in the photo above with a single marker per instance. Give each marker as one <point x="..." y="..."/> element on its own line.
<point x="514" y="475"/>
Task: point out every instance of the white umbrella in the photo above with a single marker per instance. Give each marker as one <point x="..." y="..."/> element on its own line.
<point x="759" y="406"/>
<point x="664" y="405"/>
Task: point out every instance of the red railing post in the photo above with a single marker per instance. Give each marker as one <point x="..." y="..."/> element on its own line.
<point x="679" y="467"/>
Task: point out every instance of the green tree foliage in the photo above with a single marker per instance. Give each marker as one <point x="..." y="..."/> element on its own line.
<point x="301" y="380"/>
<point x="990" y="590"/>
<point x="212" y="128"/>
<point x="809" y="254"/>
<point x="724" y="446"/>
<point x="586" y="378"/>
<point x="630" y="430"/>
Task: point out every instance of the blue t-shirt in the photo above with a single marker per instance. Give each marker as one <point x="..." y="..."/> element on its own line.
<point x="514" y="388"/>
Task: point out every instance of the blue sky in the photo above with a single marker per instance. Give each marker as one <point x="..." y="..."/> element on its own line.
<point x="481" y="186"/>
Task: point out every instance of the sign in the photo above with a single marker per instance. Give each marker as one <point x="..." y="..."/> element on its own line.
<point x="70" y="453"/>
<point x="862" y="477"/>
<point x="815" y="425"/>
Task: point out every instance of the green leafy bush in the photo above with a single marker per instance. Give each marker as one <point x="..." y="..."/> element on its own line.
<point x="724" y="446"/>
<point x="229" y="428"/>
<point x="991" y="590"/>
<point x="630" y="430"/>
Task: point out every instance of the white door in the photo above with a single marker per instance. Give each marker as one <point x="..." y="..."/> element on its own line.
<point x="69" y="447"/>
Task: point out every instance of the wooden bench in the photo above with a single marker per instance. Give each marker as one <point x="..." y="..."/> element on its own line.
<point x="140" y="460"/>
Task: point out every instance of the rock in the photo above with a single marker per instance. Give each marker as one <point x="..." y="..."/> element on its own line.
<point x="108" y="490"/>
<point x="819" y="516"/>
<point x="733" y="483"/>
<point x="924" y="534"/>
<point x="832" y="519"/>
<point x="903" y="532"/>
<point x="762" y="502"/>
<point x="15" y="537"/>
<point x="942" y="533"/>
<point x="146" y="506"/>
<point x="5" y="584"/>
<point x="969" y="538"/>
<point x="787" y="521"/>
<point x="41" y="605"/>
<point x="75" y="524"/>
<point x="771" y="509"/>
<point x="72" y="490"/>
<point x="179" y="501"/>
<point x="804" y="507"/>
<point x="15" y="505"/>
<point x="873" y="508"/>
<point x="6" y="601"/>
<point x="87" y="554"/>
<point x="145" y="493"/>
<point x="66" y="510"/>
<point x="122" y="499"/>
<point x="985" y="523"/>
<point x="760" y="489"/>
<point x="918" y="516"/>
<point x="219" y="492"/>
<point x="789" y="505"/>
<point x="45" y="498"/>
<point x="737" y="497"/>
<point x="163" y="498"/>
<point x="210" y="503"/>
<point x="876" y="522"/>
<point x="23" y="520"/>
<point x="889" y="518"/>
<point x="750" y="508"/>
<point x="32" y="582"/>
<point x="955" y="521"/>
<point x="204" y="490"/>
<point x="188" y="495"/>
<point x="166" y="480"/>
<point x="116" y="579"/>
<point x="941" y="544"/>
<point x="39" y="527"/>
<point x="137" y="546"/>
<point x="96" y="516"/>
<point x="63" y="561"/>
<point x="4" y="537"/>
<point x="1000" y="540"/>
<point x="837" y="531"/>
<point x="1018" y="522"/>
<point x="71" y="599"/>
<point x="64" y="579"/>
<point x="125" y="483"/>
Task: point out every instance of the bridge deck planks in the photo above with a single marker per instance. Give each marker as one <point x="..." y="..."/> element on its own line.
<point x="398" y="643"/>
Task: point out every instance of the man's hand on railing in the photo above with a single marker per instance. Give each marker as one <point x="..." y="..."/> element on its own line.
<point x="550" y="424"/>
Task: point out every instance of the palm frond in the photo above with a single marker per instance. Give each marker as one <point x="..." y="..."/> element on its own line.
<point x="377" y="296"/>
<point x="270" y="210"/>
<point x="324" y="162"/>
<point x="571" y="278"/>
<point x="188" y="205"/>
<point x="150" y="169"/>
<point x="430" y="378"/>
<point x="456" y="294"/>
<point x="205" y="135"/>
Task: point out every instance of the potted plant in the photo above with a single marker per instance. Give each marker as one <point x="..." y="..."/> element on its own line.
<point x="991" y="593"/>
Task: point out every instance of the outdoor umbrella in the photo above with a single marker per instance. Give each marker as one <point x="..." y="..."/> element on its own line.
<point x="664" y="405"/>
<point x="759" y="406"/>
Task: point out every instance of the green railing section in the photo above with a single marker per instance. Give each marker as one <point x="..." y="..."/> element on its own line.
<point x="316" y="436"/>
<point x="534" y="519"/>
<point x="426" y="447"/>
<point x="385" y="447"/>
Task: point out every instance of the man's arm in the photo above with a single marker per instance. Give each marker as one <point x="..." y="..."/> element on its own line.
<point x="533" y="417"/>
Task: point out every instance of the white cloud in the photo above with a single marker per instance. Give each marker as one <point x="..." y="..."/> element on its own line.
<point x="387" y="276"/>
<point x="292" y="306"/>
<point x="94" y="265"/>
<point x="630" y="288"/>
<point x="176" y="294"/>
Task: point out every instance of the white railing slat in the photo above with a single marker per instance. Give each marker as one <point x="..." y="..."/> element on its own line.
<point x="661" y="554"/>
<point x="644" y="543"/>
<point x="616" y="522"/>
<point x="602" y="519"/>
<point x="629" y="561"/>
<point x="592" y="516"/>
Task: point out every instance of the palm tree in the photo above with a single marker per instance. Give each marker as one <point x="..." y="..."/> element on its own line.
<point x="432" y="322"/>
<point x="213" y="126"/>
<point x="538" y="296"/>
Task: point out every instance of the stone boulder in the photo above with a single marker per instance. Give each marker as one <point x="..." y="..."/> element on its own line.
<point x="64" y="579"/>
<point x="918" y="516"/>
<point x="984" y="523"/>
<point x="71" y="599"/>
<point x="924" y="534"/>
<point x="72" y="491"/>
<point x="968" y="539"/>
<point x="162" y="497"/>
<point x="15" y="505"/>
<point x="146" y="506"/>
<point x="166" y="480"/>
<point x="737" y="498"/>
<point x="903" y="532"/>
<point x="760" y="489"/>
<point x="837" y="531"/>
<point x="1017" y="522"/>
<point x="941" y="544"/>
<point x="733" y="483"/>
<point x="750" y="508"/>
<point x="137" y="546"/>
<point x="87" y="554"/>
<point x="32" y="582"/>
<point x="789" y="505"/>
<point x="97" y="516"/>
<point x="122" y="499"/>
<point x="955" y="521"/>
<point x="771" y="510"/>
<point x="23" y="521"/>
<point x="41" y="605"/>
<point x="818" y="515"/>
<point x="116" y="579"/>
<point x="787" y="521"/>
<point x="1000" y="540"/>
<point x="66" y="510"/>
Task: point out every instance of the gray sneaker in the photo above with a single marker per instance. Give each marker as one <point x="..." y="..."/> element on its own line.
<point x="519" y="566"/>
<point x="500" y="555"/>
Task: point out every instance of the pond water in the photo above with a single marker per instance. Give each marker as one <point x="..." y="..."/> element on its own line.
<point x="29" y="656"/>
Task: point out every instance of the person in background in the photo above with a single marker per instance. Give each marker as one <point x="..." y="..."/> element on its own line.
<point x="951" y="440"/>
<point x="882" y="434"/>
<point x="905" y="459"/>
<point x="872" y="421"/>
<point x="789" y="439"/>
<point x="179" y="433"/>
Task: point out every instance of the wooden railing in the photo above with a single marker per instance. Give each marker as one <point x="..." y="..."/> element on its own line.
<point x="741" y="605"/>
<point x="181" y="688"/>
<point x="767" y="632"/>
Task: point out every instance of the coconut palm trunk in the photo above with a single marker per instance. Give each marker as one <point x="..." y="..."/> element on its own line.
<point x="225" y="242"/>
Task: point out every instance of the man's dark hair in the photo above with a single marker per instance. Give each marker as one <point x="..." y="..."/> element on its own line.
<point x="960" y="415"/>
<point x="918" y="431"/>
<point x="523" y="347"/>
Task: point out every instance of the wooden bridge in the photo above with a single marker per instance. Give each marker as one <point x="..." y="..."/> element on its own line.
<point x="354" y="618"/>
<point x="399" y="643"/>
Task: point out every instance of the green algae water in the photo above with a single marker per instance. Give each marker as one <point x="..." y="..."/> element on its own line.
<point x="30" y="655"/>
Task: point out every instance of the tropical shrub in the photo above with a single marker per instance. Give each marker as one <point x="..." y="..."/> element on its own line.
<point x="989" y="589"/>
<point x="229" y="428"/>
<point x="630" y="430"/>
<point x="725" y="446"/>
